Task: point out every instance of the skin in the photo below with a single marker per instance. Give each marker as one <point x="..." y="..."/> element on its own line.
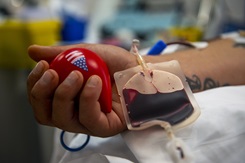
<point x="55" y="105"/>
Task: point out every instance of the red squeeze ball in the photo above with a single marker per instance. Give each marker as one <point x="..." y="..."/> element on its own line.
<point x="88" y="63"/>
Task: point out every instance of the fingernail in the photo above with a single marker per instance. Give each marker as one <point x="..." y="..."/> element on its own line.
<point x="46" y="78"/>
<point x="71" y="78"/>
<point x="38" y="68"/>
<point x="93" y="81"/>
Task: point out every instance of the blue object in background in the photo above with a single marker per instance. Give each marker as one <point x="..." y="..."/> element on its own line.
<point x="74" y="28"/>
<point x="157" y="48"/>
<point x="232" y="27"/>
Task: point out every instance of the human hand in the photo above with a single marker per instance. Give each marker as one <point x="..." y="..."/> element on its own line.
<point x="68" y="107"/>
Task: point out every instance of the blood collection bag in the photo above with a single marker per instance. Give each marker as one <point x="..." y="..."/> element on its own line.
<point x="152" y="94"/>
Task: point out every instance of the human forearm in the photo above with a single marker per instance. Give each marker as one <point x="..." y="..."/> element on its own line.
<point x="217" y="65"/>
<point x="219" y="62"/>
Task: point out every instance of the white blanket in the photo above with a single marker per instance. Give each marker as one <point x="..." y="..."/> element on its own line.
<point x="218" y="135"/>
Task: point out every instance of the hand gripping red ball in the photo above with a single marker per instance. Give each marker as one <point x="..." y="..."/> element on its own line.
<point x="88" y="63"/>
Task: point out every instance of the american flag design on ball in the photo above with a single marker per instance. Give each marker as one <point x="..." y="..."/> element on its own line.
<point x="78" y="59"/>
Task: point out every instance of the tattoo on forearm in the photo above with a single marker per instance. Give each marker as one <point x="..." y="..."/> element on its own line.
<point x="196" y="84"/>
<point x="210" y="83"/>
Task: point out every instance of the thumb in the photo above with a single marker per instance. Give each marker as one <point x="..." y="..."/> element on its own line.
<point x="47" y="53"/>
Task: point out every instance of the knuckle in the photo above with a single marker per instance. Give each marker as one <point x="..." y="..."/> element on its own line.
<point x="62" y="92"/>
<point x="32" y="77"/>
<point x="89" y="93"/>
<point x="58" y="123"/>
<point x="43" y="121"/>
<point x="34" y="94"/>
<point x="28" y="82"/>
<point x="60" y="95"/>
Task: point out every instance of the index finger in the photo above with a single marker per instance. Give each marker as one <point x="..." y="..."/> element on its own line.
<point x="35" y="75"/>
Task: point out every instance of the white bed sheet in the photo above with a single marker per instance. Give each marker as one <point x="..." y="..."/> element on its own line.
<point x="218" y="135"/>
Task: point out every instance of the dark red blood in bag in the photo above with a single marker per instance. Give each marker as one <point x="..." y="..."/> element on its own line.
<point x="88" y="63"/>
<point x="172" y="107"/>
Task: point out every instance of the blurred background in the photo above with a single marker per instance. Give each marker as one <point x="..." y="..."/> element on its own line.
<point x="60" y="22"/>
